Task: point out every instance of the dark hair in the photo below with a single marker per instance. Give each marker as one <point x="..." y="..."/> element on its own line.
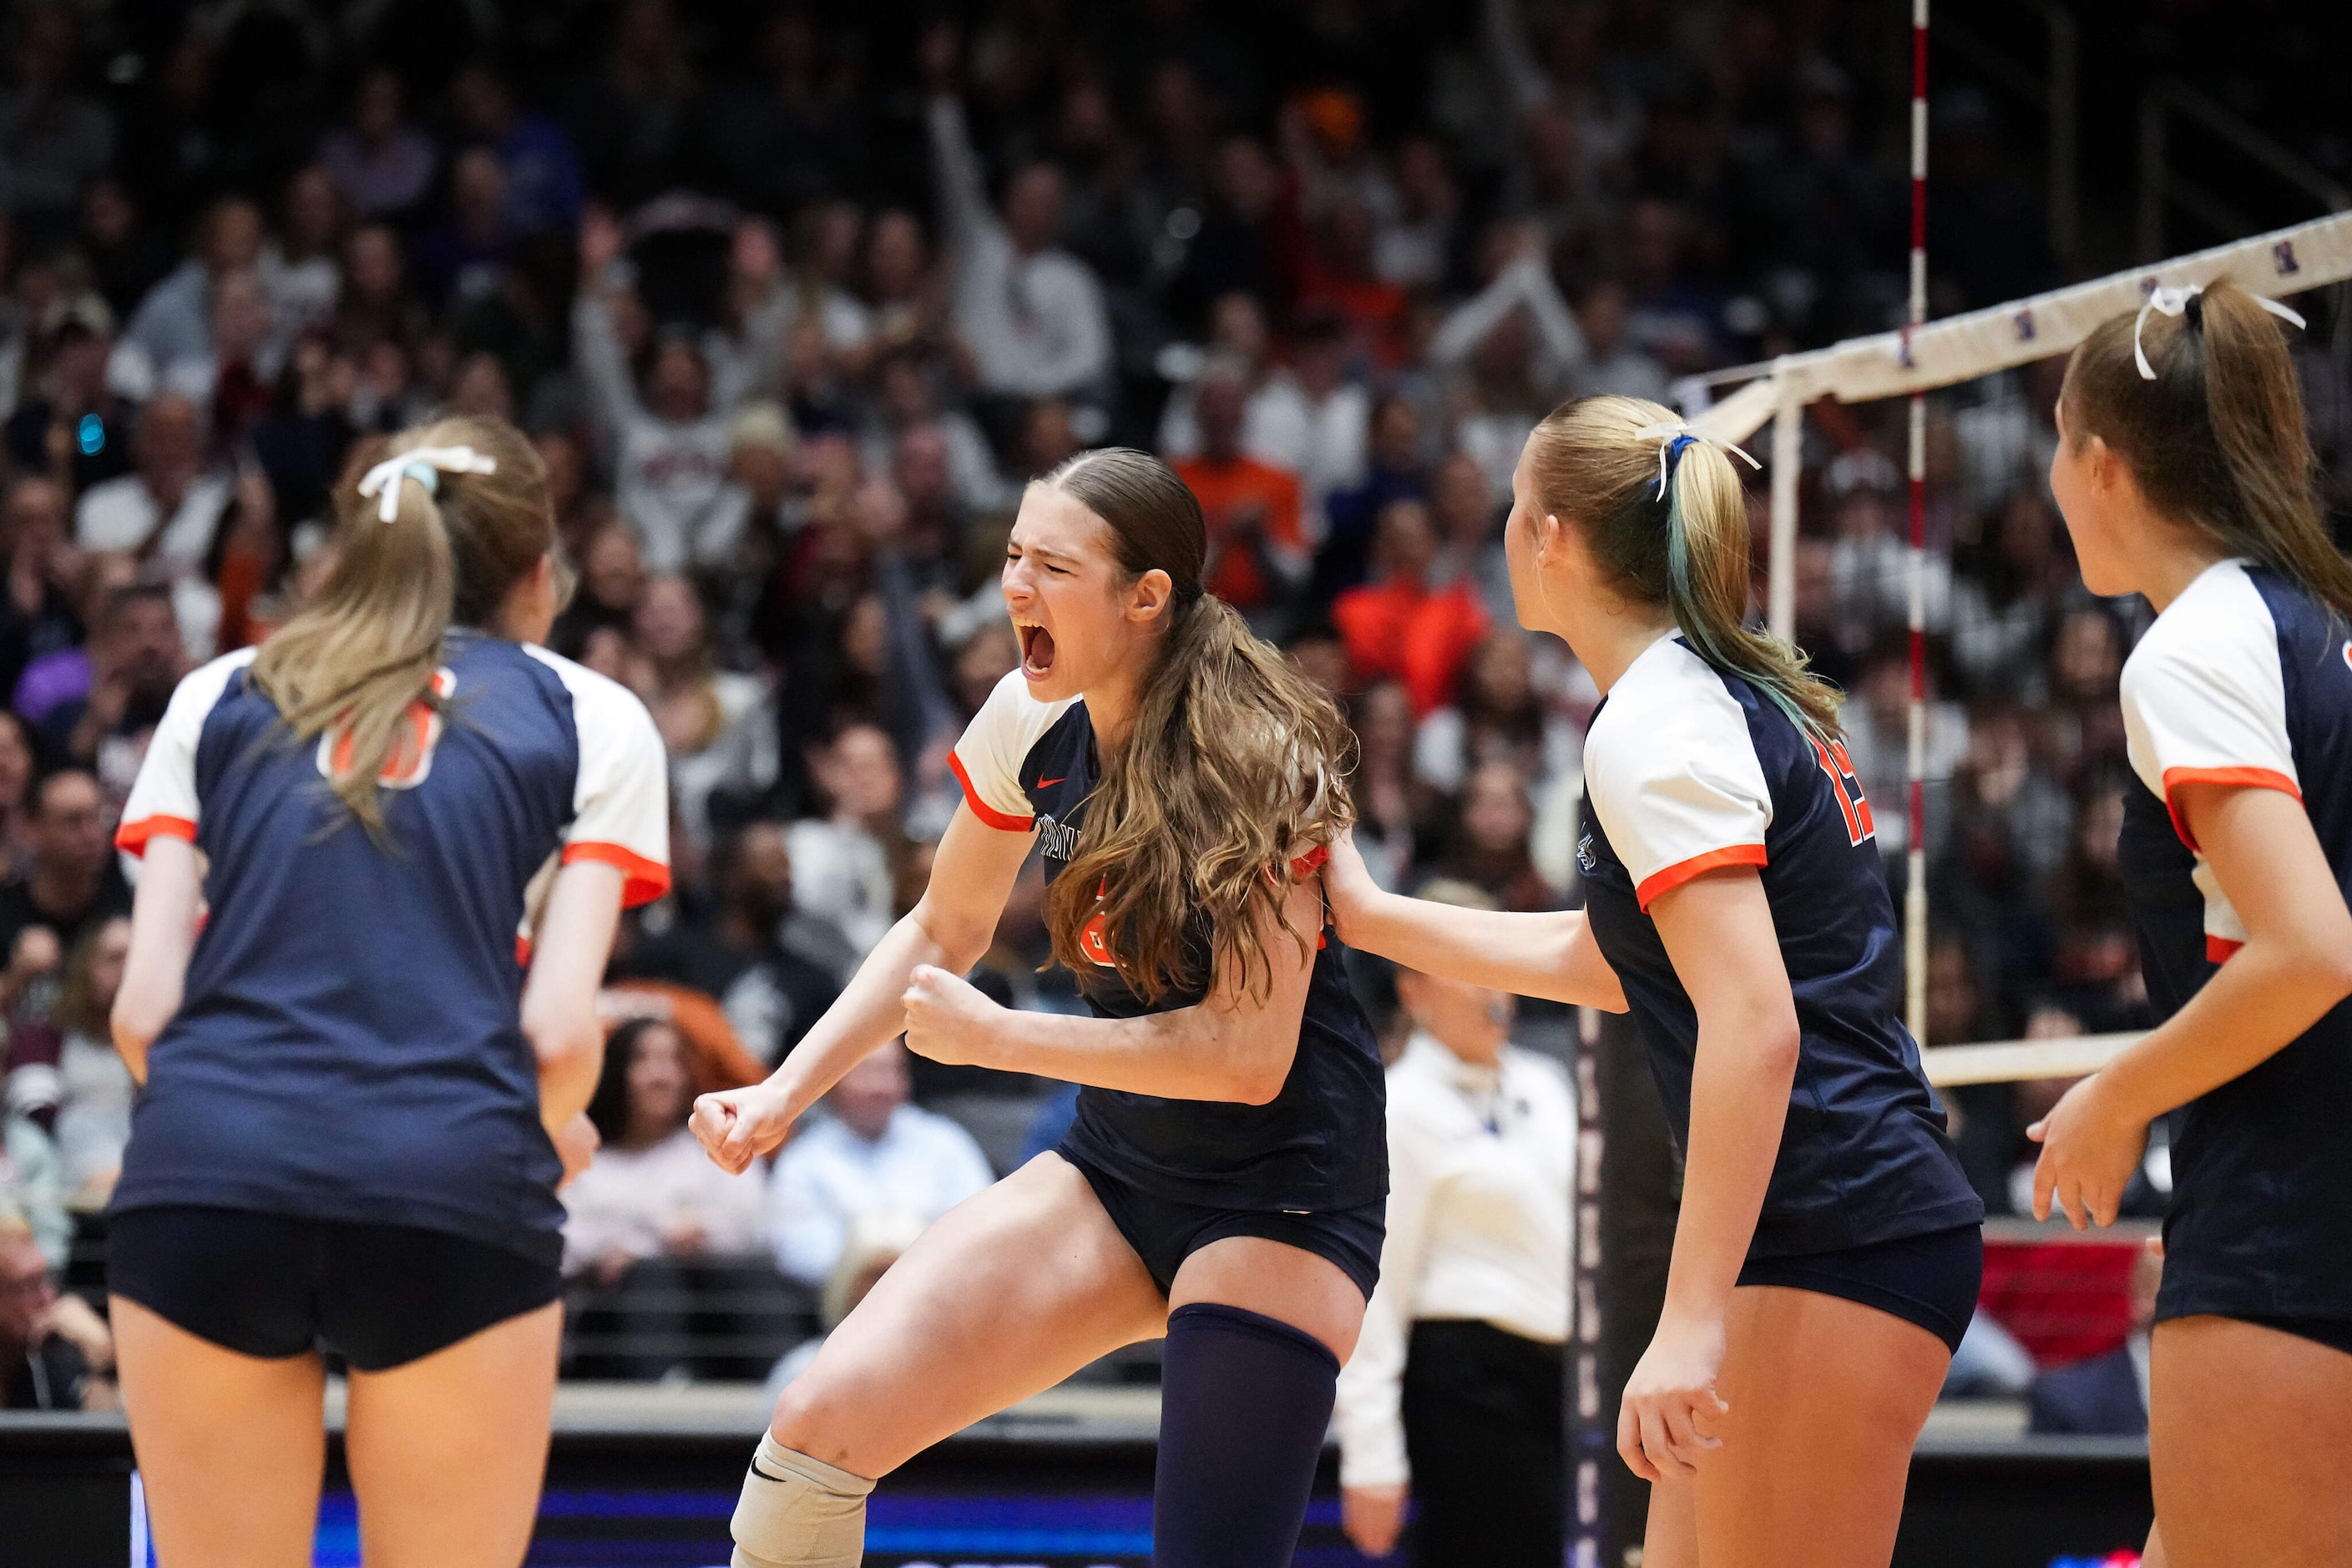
<point x="609" y="1107"/>
<point x="2218" y="439"/>
<point x="1233" y="769"/>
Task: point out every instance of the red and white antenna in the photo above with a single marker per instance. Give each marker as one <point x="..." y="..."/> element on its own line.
<point x="1914" y="881"/>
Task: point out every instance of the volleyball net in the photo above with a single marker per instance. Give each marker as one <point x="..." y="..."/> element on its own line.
<point x="1987" y="433"/>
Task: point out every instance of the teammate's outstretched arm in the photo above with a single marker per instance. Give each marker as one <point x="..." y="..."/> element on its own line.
<point x="1236" y="1045"/>
<point x="1551" y="956"/>
<point x="163" y="915"/>
<point x="949" y="929"/>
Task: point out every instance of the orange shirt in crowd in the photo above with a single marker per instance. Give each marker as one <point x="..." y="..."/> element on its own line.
<point x="716" y="1058"/>
<point x="1225" y="489"/>
<point x="1402" y="631"/>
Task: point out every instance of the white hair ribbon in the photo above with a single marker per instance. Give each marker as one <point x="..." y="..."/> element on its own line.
<point x="1672" y="435"/>
<point x="2173" y="301"/>
<point x="425" y="464"/>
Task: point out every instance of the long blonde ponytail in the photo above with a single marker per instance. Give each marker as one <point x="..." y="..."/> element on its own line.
<point x="1685" y="550"/>
<point x="357" y="659"/>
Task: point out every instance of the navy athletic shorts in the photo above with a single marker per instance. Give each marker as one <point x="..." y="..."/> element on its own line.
<point x="1932" y="1280"/>
<point x="276" y="1285"/>
<point x="1164" y="1232"/>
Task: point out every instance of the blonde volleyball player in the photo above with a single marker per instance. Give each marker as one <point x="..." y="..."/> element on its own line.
<point x="2185" y="474"/>
<point x="1828" y="1255"/>
<point x="356" y="1093"/>
<point x="1224" y="1183"/>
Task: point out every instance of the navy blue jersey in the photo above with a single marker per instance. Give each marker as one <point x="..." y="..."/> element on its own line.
<point x="1321" y="1143"/>
<point x="348" y="1046"/>
<point x="2245" y="679"/>
<point x="1688" y="769"/>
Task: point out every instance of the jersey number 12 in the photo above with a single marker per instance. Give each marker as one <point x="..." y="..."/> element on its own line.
<point x="1831" y="756"/>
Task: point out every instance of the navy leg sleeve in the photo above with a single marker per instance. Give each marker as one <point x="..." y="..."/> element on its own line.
<point x="1245" y="1404"/>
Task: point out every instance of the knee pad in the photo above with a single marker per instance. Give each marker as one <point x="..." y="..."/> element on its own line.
<point x="798" y="1512"/>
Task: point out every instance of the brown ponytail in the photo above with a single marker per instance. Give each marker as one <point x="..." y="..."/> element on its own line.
<point x="1685" y="550"/>
<point x="2218" y="439"/>
<point x="364" y="651"/>
<point x="1233" y="768"/>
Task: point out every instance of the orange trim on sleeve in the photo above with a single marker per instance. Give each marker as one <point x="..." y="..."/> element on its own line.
<point x="132" y="836"/>
<point x="1681" y="871"/>
<point x="643" y="880"/>
<point x="2218" y="949"/>
<point x="2240" y="778"/>
<point x="1002" y="821"/>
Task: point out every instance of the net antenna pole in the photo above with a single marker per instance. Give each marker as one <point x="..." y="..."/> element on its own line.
<point x="1914" y="881"/>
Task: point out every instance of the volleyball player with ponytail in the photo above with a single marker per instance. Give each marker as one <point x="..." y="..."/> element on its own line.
<point x="2185" y="474"/>
<point x="1828" y="1253"/>
<point x="360" y="1090"/>
<point x="1223" y="1184"/>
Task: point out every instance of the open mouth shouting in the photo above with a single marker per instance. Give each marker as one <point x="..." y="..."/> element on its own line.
<point x="1036" y="649"/>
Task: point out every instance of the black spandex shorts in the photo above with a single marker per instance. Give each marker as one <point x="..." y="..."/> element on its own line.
<point x="1932" y="1280"/>
<point x="275" y="1286"/>
<point x="1164" y="1233"/>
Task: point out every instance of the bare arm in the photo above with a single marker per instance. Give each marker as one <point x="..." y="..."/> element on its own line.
<point x="1551" y="955"/>
<point x="1718" y="929"/>
<point x="1236" y="1045"/>
<point x="2296" y="965"/>
<point x="163" y="915"/>
<point x="950" y="930"/>
<point x="559" y="997"/>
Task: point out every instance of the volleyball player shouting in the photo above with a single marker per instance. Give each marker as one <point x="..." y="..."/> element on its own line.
<point x="355" y="1092"/>
<point x="1828" y="1255"/>
<point x="2185" y="474"/>
<point x="1223" y="1182"/>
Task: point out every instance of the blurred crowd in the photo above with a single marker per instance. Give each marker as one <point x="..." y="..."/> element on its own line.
<point x="792" y="301"/>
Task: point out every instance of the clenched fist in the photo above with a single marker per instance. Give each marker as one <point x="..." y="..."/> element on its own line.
<point x="949" y="1022"/>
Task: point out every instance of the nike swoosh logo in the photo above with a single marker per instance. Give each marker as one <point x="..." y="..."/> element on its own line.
<point x="764" y="1474"/>
<point x="1048" y="784"/>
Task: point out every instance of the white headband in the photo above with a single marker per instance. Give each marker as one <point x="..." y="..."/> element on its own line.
<point x="425" y="464"/>
<point x="2170" y="301"/>
<point x="1672" y="435"/>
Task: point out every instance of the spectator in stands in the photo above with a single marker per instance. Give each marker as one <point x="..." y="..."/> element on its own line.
<point x="1030" y="313"/>
<point x="1399" y="624"/>
<point x="1515" y="348"/>
<point x="166" y="508"/>
<point x="64" y="1076"/>
<point x="73" y="886"/>
<point x="382" y="164"/>
<point x="52" y="139"/>
<point x="877" y="1240"/>
<point x="136" y="657"/>
<point x="1393" y="470"/>
<point x="875" y="1155"/>
<point x="1257" y="547"/>
<point x="843" y="882"/>
<point x="649" y="1193"/>
<point x="771" y="992"/>
<point x="544" y="188"/>
<point x="2105" y="1396"/>
<point x="174" y="322"/>
<point x="718" y="723"/>
<point x="68" y="424"/>
<point x="55" y="1352"/>
<point x="665" y="440"/>
<point x="36" y="614"/>
<point x="1492" y="847"/>
<point x="1457" y="1383"/>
